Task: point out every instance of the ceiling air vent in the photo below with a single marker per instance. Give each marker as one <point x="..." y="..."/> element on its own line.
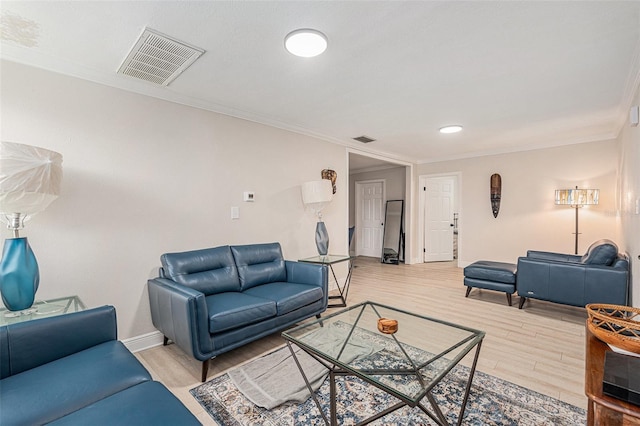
<point x="158" y="58"/>
<point x="364" y="139"/>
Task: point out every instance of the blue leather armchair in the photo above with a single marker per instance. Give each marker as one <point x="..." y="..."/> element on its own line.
<point x="214" y="300"/>
<point x="71" y="370"/>
<point x="601" y="275"/>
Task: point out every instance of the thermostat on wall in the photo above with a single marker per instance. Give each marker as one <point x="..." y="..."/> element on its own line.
<point x="249" y="196"/>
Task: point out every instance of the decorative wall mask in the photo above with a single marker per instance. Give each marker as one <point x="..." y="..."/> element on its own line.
<point x="496" y="193"/>
<point x="330" y="175"/>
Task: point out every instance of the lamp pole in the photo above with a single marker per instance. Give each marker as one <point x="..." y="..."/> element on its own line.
<point x="576" y="248"/>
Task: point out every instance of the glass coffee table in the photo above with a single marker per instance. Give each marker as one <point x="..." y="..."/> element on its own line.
<point x="406" y="364"/>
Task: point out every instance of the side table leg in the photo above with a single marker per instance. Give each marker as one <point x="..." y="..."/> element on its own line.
<point x="347" y="281"/>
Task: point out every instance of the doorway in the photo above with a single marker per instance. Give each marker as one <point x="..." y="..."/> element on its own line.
<point x="398" y="180"/>
<point x="370" y="198"/>
<point x="439" y="217"/>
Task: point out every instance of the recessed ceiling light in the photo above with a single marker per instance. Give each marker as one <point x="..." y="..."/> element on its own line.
<point x="305" y="42"/>
<point x="451" y="129"/>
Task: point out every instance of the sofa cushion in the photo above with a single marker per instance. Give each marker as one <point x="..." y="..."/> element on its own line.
<point x="602" y="252"/>
<point x="234" y="309"/>
<point x="60" y="387"/>
<point x="209" y="271"/>
<point x="259" y="264"/>
<point x="148" y="403"/>
<point x="287" y="296"/>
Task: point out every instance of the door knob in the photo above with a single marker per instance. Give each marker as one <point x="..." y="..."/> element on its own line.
<point x="451" y="224"/>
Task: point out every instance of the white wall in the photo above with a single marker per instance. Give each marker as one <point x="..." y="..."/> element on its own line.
<point x="143" y="177"/>
<point x="629" y="198"/>
<point x="528" y="218"/>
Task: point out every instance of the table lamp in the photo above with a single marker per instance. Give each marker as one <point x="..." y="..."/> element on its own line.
<point x="316" y="195"/>
<point x="29" y="181"/>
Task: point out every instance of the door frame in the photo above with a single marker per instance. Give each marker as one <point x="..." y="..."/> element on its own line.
<point x="422" y="179"/>
<point x="409" y="203"/>
<point x="359" y="183"/>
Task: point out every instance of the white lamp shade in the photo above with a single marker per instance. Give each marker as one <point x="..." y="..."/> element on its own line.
<point x="30" y="178"/>
<point x="317" y="194"/>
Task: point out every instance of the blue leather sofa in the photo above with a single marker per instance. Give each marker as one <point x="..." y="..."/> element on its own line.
<point x="214" y="300"/>
<point x="71" y="370"/>
<point x="601" y="275"/>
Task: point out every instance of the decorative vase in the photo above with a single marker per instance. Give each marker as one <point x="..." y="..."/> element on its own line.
<point x="322" y="239"/>
<point x="19" y="274"/>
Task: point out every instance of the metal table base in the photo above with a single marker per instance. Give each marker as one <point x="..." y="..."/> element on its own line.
<point x="437" y="415"/>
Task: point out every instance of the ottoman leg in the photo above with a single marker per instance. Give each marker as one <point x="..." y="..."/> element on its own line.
<point x="509" y="298"/>
<point x="468" y="291"/>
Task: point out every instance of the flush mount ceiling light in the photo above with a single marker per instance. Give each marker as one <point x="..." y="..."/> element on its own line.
<point x="451" y="129"/>
<point x="305" y="42"/>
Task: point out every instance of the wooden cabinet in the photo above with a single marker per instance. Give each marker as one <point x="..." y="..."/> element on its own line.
<point x="603" y="410"/>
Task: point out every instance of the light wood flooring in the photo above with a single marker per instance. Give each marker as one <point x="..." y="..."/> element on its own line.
<point x="540" y="347"/>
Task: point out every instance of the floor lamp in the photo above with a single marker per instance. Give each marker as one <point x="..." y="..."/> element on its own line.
<point x="577" y="198"/>
<point x="29" y="181"/>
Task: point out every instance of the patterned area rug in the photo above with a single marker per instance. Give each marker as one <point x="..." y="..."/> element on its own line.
<point x="492" y="401"/>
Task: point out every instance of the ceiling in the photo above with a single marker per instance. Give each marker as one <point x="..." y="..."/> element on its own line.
<point x="516" y="75"/>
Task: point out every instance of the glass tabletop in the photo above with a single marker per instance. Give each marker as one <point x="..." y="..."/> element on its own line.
<point x="42" y="309"/>
<point x="407" y="363"/>
<point x="326" y="259"/>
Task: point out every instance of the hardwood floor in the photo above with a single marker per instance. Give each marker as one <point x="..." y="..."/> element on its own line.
<point x="540" y="347"/>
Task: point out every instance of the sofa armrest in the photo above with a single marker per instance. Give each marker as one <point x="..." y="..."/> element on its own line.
<point x="606" y="284"/>
<point x="181" y="314"/>
<point x="30" y="344"/>
<point x="558" y="257"/>
<point x="308" y="273"/>
<point x="556" y="281"/>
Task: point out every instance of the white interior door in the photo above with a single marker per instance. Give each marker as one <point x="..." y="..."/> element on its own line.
<point x="438" y="220"/>
<point x="369" y="218"/>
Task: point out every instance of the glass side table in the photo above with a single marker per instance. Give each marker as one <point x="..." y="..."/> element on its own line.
<point x="332" y="259"/>
<point x="42" y="309"/>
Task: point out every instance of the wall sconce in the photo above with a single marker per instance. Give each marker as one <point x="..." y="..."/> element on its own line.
<point x="577" y="198"/>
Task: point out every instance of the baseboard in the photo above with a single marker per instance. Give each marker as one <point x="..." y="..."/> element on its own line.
<point x="144" y="341"/>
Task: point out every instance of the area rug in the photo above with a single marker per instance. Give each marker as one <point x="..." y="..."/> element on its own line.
<point x="492" y="401"/>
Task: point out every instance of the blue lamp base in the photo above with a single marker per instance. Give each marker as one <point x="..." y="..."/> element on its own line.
<point x="322" y="239"/>
<point x="19" y="274"/>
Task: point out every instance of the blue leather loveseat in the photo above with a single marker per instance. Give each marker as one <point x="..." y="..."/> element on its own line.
<point x="214" y="300"/>
<point x="601" y="275"/>
<point x="71" y="370"/>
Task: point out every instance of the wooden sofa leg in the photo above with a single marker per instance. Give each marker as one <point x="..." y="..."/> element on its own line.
<point x="205" y="370"/>
<point x="165" y="342"/>
<point x="468" y="291"/>
<point x="509" y="298"/>
<point x="522" y="300"/>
